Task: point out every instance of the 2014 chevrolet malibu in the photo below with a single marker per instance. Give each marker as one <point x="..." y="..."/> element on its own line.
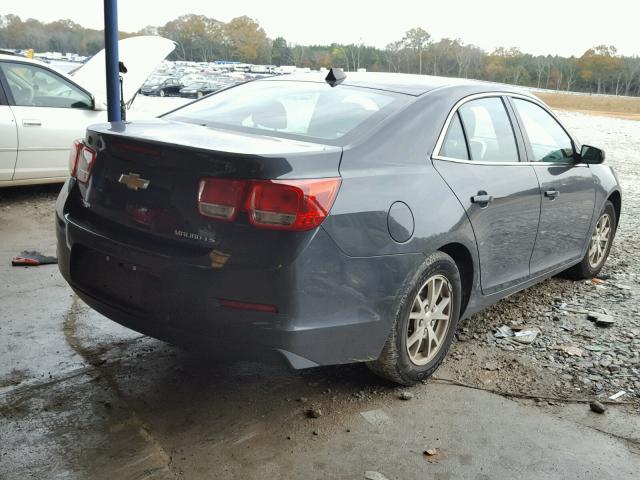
<point x="348" y="220"/>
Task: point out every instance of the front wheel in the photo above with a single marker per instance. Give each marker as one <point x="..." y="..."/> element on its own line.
<point x="599" y="245"/>
<point x="425" y="323"/>
<point x="162" y="93"/>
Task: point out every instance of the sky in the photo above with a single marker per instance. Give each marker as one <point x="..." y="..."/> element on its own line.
<point x="563" y="27"/>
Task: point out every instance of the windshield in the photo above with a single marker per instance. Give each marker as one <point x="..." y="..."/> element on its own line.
<point x="289" y="108"/>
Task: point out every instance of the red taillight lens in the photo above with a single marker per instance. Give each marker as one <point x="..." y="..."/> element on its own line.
<point x="81" y="161"/>
<point x="291" y="204"/>
<point x="221" y="198"/>
<point x="73" y="157"/>
<point x="273" y="204"/>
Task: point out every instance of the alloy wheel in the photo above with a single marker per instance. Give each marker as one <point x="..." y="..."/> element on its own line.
<point x="429" y="320"/>
<point x="600" y="240"/>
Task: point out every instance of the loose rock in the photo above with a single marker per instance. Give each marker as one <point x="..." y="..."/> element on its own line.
<point x="491" y="366"/>
<point x="405" y="395"/>
<point x="605" y="321"/>
<point x="432" y="455"/>
<point x="371" y="475"/>
<point x="314" y="412"/>
<point x="572" y="351"/>
<point x="597" y="407"/>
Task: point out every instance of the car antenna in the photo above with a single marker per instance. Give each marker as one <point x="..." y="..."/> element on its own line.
<point x="335" y="76"/>
<point x="123" y="106"/>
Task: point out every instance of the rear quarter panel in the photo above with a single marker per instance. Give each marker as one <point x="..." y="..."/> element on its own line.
<point x="394" y="164"/>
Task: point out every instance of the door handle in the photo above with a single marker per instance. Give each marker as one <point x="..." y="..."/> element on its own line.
<point x="482" y="198"/>
<point x="551" y="194"/>
<point x="31" y="123"/>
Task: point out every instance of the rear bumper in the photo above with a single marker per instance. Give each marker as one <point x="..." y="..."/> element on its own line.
<point x="332" y="308"/>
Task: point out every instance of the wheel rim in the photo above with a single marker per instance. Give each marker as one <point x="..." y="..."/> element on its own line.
<point x="600" y="240"/>
<point x="162" y="93"/>
<point x="429" y="320"/>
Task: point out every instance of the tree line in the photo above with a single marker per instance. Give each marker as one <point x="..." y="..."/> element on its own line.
<point x="199" y="38"/>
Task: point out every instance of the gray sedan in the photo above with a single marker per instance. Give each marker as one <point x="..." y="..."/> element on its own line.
<point x="332" y="220"/>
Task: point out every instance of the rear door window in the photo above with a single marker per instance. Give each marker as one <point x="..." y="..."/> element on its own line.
<point x="548" y="140"/>
<point x="489" y="131"/>
<point x="455" y="145"/>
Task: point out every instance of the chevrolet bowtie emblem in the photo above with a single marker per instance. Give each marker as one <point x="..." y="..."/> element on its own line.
<point x="133" y="181"/>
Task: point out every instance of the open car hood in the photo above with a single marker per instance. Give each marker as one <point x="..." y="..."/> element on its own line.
<point x="140" y="55"/>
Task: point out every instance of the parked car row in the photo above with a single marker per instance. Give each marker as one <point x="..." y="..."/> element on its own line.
<point x="197" y="79"/>
<point x="173" y="87"/>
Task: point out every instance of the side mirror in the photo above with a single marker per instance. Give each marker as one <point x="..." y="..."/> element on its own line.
<point x="589" y="154"/>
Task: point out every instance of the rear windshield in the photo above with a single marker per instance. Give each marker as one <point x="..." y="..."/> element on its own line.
<point x="309" y="110"/>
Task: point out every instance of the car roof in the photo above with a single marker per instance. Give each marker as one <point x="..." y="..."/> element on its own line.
<point x="409" y="84"/>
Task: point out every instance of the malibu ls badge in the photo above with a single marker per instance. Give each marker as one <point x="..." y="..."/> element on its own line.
<point x="133" y="181"/>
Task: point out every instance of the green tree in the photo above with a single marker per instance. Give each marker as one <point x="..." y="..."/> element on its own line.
<point x="246" y="40"/>
<point x="417" y="39"/>
<point x="198" y="37"/>
<point x="597" y="65"/>
<point x="280" y="52"/>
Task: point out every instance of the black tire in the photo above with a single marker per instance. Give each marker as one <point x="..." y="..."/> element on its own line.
<point x="584" y="269"/>
<point x="394" y="362"/>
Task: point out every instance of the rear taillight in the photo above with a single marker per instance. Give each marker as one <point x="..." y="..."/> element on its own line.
<point x="221" y="198"/>
<point x="73" y="157"/>
<point x="273" y="204"/>
<point x="291" y="204"/>
<point x="81" y="161"/>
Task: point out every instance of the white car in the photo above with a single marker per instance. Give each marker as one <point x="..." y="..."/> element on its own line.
<point x="42" y="110"/>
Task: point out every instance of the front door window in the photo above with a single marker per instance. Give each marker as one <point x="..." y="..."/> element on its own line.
<point x="33" y="86"/>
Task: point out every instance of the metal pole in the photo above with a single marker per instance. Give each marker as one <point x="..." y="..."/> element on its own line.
<point x="111" y="59"/>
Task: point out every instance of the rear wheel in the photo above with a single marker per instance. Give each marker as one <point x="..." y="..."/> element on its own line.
<point x="599" y="245"/>
<point x="425" y="324"/>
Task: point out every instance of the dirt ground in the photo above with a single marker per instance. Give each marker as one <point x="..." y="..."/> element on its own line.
<point x="81" y="397"/>
<point x="607" y="105"/>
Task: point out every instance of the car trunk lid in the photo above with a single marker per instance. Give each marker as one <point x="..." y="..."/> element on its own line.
<point x="146" y="175"/>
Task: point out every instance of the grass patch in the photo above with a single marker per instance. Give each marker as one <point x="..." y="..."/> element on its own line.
<point x="619" y="107"/>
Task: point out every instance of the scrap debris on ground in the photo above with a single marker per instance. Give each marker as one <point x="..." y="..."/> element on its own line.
<point x="32" y="258"/>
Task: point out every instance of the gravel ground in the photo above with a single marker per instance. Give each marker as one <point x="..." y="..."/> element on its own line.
<point x="572" y="357"/>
